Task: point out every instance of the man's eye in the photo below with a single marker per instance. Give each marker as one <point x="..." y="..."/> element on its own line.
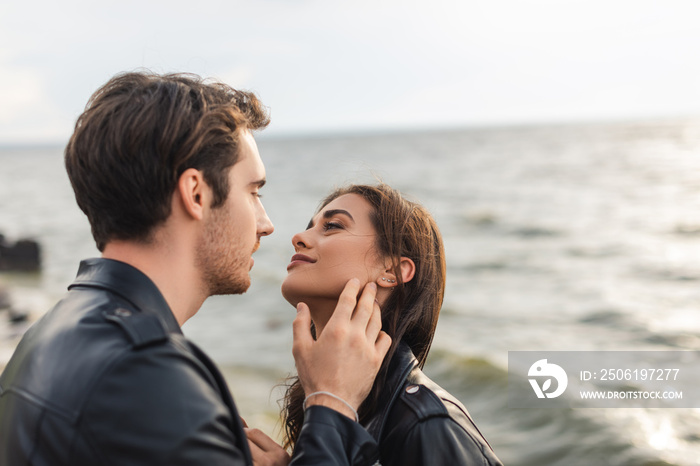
<point x="258" y="195"/>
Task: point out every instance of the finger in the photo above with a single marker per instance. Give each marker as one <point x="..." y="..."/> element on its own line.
<point x="365" y="306"/>
<point x="375" y="323"/>
<point x="346" y="302"/>
<point x="265" y="450"/>
<point x="261" y="439"/>
<point x="301" y="328"/>
<point x="245" y="424"/>
<point x="255" y="450"/>
<point x="382" y="344"/>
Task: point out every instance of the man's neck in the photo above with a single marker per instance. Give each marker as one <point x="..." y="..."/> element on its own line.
<point x="170" y="268"/>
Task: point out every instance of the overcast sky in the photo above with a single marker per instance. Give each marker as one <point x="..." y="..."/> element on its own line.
<point x="360" y="65"/>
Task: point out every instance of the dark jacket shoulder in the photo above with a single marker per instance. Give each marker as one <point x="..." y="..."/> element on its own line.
<point x="421" y="423"/>
<point x="106" y="377"/>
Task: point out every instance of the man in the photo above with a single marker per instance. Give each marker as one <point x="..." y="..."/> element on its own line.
<point x="168" y="174"/>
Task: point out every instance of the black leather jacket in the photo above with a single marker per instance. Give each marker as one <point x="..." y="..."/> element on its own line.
<point x="421" y="424"/>
<point x="107" y="378"/>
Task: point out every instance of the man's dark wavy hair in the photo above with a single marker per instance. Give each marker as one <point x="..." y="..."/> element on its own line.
<point x="139" y="132"/>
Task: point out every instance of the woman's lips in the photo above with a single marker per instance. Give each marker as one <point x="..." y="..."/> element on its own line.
<point x="298" y="259"/>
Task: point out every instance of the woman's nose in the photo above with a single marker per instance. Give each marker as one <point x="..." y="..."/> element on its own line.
<point x="300" y="241"/>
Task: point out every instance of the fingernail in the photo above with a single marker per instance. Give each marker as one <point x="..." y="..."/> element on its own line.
<point x="372" y="285"/>
<point x="356" y="281"/>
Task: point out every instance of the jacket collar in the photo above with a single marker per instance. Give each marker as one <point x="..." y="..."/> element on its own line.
<point x="402" y="363"/>
<point x="129" y="283"/>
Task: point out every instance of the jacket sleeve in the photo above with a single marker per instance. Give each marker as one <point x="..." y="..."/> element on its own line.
<point x="159" y="406"/>
<point x="440" y="441"/>
<point x="330" y="438"/>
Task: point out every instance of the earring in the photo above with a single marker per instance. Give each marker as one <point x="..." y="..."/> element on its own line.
<point x="391" y="281"/>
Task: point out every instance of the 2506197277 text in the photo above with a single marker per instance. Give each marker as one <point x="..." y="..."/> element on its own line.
<point x="630" y="374"/>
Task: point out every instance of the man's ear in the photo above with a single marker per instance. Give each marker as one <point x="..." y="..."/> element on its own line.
<point x="388" y="278"/>
<point x="194" y="192"/>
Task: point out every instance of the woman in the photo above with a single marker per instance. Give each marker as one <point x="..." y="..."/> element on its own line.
<point x="374" y="234"/>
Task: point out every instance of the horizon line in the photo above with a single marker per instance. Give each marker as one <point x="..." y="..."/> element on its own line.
<point x="357" y="131"/>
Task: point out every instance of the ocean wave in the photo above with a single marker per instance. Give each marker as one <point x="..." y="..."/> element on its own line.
<point x="480" y="219"/>
<point x="535" y="437"/>
<point x="606" y="317"/>
<point x="687" y="230"/>
<point x="528" y="232"/>
<point x="596" y="251"/>
<point x="686" y="341"/>
<point x="667" y="273"/>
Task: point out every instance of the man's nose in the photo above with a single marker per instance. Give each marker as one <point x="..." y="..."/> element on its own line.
<point x="265" y="226"/>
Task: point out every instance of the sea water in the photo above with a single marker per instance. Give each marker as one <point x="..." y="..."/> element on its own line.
<point x="567" y="237"/>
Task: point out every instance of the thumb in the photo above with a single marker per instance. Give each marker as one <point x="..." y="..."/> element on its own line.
<point x="383" y="343"/>
<point x="302" y="328"/>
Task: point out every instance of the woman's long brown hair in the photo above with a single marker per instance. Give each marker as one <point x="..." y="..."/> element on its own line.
<point x="404" y="229"/>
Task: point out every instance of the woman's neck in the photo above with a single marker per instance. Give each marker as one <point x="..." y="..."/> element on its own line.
<point x="321" y="311"/>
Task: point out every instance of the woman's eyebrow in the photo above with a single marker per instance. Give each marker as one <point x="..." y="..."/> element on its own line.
<point x="331" y="213"/>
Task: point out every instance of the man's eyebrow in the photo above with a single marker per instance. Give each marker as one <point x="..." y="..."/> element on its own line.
<point x="331" y="213"/>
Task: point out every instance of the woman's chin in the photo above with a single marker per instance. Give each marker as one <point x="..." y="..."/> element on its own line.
<point x="289" y="294"/>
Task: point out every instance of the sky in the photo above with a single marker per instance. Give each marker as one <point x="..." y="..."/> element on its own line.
<point x="360" y="65"/>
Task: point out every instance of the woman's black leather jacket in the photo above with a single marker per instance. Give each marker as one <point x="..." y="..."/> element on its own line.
<point x="419" y="423"/>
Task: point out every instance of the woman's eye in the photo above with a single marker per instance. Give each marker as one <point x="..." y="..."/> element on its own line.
<point x="258" y="195"/>
<point x="332" y="226"/>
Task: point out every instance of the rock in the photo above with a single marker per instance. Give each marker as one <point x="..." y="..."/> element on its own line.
<point x="24" y="255"/>
<point x="4" y="297"/>
<point x="17" y="317"/>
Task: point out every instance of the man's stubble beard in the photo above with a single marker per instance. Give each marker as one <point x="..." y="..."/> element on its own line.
<point x="224" y="266"/>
